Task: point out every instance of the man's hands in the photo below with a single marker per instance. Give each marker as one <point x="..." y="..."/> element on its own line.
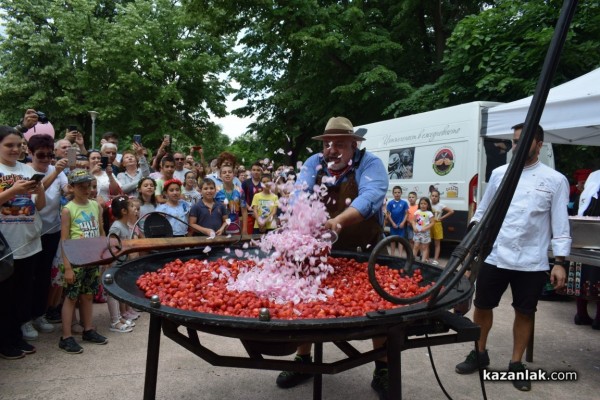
<point x="71" y="136"/>
<point x="558" y="276"/>
<point x="30" y="118"/>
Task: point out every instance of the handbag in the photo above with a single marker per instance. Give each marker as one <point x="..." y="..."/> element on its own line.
<point x="7" y="263"/>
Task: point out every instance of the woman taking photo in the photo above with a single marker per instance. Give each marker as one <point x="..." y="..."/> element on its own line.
<point x="108" y="186"/>
<point x="47" y="298"/>
<point x="21" y="197"/>
<point x="136" y="167"/>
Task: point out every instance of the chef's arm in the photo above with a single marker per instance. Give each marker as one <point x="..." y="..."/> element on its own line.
<point x="349" y="216"/>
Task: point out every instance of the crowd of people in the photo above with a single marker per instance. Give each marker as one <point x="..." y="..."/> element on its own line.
<point x="53" y="190"/>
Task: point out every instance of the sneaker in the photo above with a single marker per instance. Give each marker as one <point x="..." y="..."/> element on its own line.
<point x="29" y="332"/>
<point x="521" y="384"/>
<point x="41" y="324"/>
<point x="53" y="315"/>
<point x="11" y="353"/>
<point x="25" y="347"/>
<point x="471" y="365"/>
<point x="289" y="379"/>
<point x="70" y="345"/>
<point x="94" y="337"/>
<point x="381" y="383"/>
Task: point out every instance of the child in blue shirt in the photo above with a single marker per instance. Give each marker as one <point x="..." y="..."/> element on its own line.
<point x="208" y="216"/>
<point x="397" y="216"/>
<point x="175" y="207"/>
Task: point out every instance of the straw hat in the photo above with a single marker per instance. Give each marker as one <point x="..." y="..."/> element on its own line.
<point x="338" y="128"/>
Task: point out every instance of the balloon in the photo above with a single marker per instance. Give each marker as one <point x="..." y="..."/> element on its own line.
<point x="40" y="129"/>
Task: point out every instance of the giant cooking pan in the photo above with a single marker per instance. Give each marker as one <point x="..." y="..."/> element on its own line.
<point x="280" y="337"/>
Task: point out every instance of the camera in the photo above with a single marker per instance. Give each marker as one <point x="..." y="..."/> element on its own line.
<point x="42" y="118"/>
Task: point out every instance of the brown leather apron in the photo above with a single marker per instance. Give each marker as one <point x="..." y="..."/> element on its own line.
<point x="362" y="234"/>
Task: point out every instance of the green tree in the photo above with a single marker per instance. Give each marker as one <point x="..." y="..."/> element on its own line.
<point x="146" y="66"/>
<point x="497" y="55"/>
<point x="303" y="61"/>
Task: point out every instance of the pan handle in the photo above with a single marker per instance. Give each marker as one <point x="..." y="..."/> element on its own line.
<point x="118" y="246"/>
<point x="409" y="262"/>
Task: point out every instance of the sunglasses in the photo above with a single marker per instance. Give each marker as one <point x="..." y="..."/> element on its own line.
<point x="43" y="156"/>
<point x="179" y="159"/>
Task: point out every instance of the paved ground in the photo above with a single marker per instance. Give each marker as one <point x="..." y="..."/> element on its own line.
<point x="117" y="369"/>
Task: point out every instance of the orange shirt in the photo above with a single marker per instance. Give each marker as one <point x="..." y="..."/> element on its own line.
<point x="411" y="212"/>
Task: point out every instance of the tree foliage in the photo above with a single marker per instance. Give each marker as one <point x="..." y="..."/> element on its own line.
<point x="303" y="61"/>
<point x="145" y="66"/>
<point x="497" y="55"/>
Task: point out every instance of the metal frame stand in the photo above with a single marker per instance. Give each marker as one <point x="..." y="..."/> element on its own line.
<point x="400" y="337"/>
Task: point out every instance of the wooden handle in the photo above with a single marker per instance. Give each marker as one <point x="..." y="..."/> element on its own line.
<point x="95" y="251"/>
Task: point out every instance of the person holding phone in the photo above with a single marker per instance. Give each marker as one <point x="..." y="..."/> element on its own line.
<point x="20" y="223"/>
<point x="108" y="185"/>
<point x="47" y="296"/>
<point x="136" y="168"/>
<point x="111" y="137"/>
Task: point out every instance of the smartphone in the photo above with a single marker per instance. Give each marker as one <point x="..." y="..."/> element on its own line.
<point x="137" y="139"/>
<point x="72" y="157"/>
<point x="103" y="162"/>
<point x="37" y="177"/>
<point x="72" y="128"/>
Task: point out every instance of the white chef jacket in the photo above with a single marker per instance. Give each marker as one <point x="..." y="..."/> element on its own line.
<point x="537" y="216"/>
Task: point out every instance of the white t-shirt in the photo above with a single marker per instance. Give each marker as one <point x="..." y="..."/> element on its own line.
<point x="20" y="222"/>
<point x="103" y="185"/>
<point x="51" y="212"/>
<point x="438" y="210"/>
<point x="180" y="175"/>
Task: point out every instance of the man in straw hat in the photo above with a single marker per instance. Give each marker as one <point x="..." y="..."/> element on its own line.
<point x="357" y="182"/>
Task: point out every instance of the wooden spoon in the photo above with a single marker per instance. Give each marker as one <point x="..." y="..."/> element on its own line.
<point x="96" y="251"/>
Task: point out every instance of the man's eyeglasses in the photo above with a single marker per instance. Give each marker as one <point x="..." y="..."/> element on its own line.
<point x="43" y="156"/>
<point x="179" y="159"/>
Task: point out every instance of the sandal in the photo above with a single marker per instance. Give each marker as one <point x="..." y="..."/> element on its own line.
<point x="130" y="314"/>
<point x="120" y="327"/>
<point x="127" y="322"/>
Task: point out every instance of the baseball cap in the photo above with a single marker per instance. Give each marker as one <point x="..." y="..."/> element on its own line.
<point x="80" y="175"/>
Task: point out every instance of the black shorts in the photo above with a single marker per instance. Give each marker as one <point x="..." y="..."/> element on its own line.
<point x="526" y="287"/>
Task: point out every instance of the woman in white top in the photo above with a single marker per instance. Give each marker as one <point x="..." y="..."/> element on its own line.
<point x="20" y="197"/>
<point x="108" y="186"/>
<point x="136" y="168"/>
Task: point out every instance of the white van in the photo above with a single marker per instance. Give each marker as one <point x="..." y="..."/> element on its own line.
<point x="441" y="149"/>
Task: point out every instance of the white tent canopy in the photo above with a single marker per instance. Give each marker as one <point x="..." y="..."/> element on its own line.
<point x="571" y="114"/>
